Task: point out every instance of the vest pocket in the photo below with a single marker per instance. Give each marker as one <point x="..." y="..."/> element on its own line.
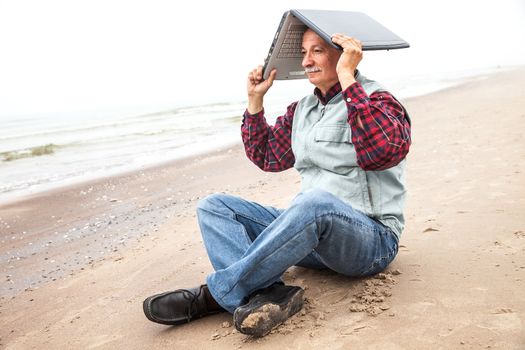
<point x="333" y="149"/>
<point x="334" y="133"/>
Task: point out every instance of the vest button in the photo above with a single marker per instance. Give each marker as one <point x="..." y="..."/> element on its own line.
<point x="348" y="99"/>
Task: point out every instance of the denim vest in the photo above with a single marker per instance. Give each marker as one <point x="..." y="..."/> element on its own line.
<point x="326" y="159"/>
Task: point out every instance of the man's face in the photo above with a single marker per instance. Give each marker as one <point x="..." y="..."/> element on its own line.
<point x="319" y="61"/>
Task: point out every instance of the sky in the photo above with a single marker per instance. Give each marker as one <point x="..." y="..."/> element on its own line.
<point x="62" y="56"/>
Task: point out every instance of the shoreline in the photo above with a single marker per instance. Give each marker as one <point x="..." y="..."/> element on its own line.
<point x="46" y="189"/>
<point x="456" y="282"/>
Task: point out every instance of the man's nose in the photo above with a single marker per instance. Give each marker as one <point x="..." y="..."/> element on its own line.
<point x="307" y="60"/>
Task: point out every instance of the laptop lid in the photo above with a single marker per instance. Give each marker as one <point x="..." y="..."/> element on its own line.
<point x="285" y="52"/>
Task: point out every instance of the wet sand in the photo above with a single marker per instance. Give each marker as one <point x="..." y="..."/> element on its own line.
<point x="77" y="262"/>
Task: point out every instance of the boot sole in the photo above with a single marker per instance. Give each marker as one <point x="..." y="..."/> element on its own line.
<point x="261" y="320"/>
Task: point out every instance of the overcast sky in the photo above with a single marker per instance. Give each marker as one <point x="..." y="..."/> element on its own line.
<point x="72" y="55"/>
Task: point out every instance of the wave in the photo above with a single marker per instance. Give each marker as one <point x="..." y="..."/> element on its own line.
<point x="28" y="136"/>
<point x="114" y="131"/>
<point x="173" y="134"/>
<point x="28" y="152"/>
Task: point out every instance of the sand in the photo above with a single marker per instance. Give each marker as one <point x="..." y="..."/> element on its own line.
<point x="77" y="262"/>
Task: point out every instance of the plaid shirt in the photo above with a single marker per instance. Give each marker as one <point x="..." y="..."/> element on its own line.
<point x="382" y="143"/>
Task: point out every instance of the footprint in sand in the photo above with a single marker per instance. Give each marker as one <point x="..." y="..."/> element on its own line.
<point x="502" y="319"/>
<point x="103" y="339"/>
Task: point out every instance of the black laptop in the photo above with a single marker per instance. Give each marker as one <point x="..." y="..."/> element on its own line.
<point x="285" y="52"/>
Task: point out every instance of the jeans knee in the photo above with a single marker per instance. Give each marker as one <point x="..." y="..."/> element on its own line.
<point x="211" y="202"/>
<point x="317" y="199"/>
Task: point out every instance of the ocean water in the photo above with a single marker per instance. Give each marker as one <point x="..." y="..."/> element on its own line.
<point x="40" y="152"/>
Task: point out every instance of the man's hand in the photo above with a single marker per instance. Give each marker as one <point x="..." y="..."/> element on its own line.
<point x="257" y="88"/>
<point x="350" y="58"/>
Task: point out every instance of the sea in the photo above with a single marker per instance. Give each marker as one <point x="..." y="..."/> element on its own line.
<point x="46" y="151"/>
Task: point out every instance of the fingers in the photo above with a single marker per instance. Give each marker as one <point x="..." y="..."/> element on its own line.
<point x="252" y="76"/>
<point x="255" y="76"/>
<point x="272" y="76"/>
<point x="346" y="42"/>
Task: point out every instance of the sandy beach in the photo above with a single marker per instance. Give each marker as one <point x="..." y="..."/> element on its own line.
<point x="77" y="262"/>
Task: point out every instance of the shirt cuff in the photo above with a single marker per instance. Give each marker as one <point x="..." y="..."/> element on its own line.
<point x="258" y="115"/>
<point x="355" y="94"/>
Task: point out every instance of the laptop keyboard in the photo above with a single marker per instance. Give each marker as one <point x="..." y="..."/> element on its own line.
<point x="293" y="40"/>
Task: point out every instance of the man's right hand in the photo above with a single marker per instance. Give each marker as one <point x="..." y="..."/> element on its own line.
<point x="257" y="88"/>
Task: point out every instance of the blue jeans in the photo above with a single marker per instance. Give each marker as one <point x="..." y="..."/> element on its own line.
<point x="250" y="246"/>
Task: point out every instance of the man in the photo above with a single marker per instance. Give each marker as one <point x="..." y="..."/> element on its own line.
<point x="348" y="141"/>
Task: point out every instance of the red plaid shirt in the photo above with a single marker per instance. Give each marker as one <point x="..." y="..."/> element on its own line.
<point x="382" y="143"/>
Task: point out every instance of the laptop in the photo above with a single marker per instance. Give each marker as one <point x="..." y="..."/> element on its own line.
<point x="285" y="53"/>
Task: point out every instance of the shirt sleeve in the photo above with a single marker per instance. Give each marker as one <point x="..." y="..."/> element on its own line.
<point x="384" y="139"/>
<point x="269" y="147"/>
